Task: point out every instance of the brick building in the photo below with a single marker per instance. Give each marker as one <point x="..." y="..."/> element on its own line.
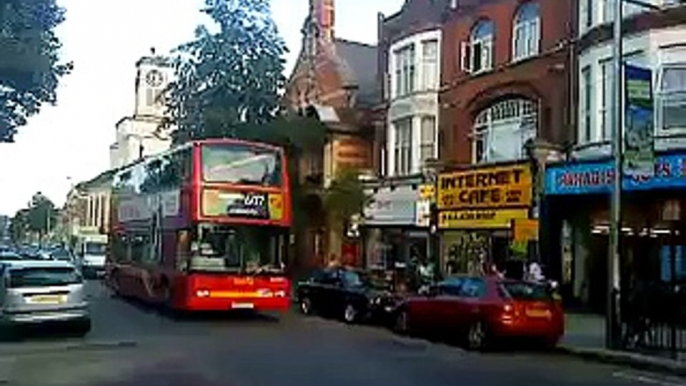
<point x="505" y="57"/>
<point x="507" y="67"/>
<point x="335" y="80"/>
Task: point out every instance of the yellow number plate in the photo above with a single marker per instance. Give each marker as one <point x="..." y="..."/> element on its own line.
<point x="48" y="299"/>
<point x="538" y="313"/>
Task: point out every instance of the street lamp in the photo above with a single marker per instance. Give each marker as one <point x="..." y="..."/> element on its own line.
<point x="612" y="320"/>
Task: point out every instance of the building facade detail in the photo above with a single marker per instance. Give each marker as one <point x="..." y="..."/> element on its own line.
<point x="144" y="133"/>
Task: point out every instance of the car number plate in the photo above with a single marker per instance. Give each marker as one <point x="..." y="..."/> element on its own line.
<point x="538" y="313"/>
<point x="242" y="306"/>
<point x="47" y="299"/>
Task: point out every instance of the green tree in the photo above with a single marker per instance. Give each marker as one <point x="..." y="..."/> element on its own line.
<point x="42" y="215"/>
<point x="29" y="60"/>
<point x="229" y="81"/>
<point x="344" y="198"/>
<point x="19" y="226"/>
<point x="231" y="73"/>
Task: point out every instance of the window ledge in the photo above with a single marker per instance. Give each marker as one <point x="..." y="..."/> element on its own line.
<point x="414" y="94"/>
<point x="500" y="161"/>
<point x="481" y="72"/>
<point x="524" y="59"/>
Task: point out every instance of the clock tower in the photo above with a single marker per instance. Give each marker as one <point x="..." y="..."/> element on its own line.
<point x="153" y="74"/>
<point x="146" y="132"/>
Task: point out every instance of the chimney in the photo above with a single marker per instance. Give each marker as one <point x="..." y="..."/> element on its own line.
<point x="325" y="16"/>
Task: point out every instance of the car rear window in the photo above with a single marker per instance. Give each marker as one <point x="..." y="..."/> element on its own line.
<point x="43" y="277"/>
<point x="9" y="256"/>
<point x="525" y="291"/>
<point x="60" y="255"/>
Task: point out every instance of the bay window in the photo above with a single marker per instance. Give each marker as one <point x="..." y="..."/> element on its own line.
<point x="427" y="145"/>
<point x="405" y="70"/>
<point x="402" y="147"/>
<point x="430" y="65"/>
<point x="605" y="98"/>
<point x="585" y="106"/>
<point x="672" y="97"/>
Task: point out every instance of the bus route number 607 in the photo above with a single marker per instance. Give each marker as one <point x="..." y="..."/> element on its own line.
<point x="254" y="200"/>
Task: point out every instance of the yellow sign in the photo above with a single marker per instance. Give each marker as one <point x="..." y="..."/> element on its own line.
<point x="275" y="206"/>
<point x="525" y="230"/>
<point x="426" y="192"/>
<point x="480" y="219"/>
<point x="493" y="187"/>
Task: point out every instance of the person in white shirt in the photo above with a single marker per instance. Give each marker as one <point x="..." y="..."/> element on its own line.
<point x="535" y="272"/>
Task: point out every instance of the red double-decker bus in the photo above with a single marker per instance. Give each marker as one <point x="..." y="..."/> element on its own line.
<point x="204" y="226"/>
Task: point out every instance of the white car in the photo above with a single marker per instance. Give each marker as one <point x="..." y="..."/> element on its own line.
<point x="37" y="291"/>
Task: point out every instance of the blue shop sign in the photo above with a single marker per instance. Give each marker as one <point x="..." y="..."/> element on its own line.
<point x="597" y="177"/>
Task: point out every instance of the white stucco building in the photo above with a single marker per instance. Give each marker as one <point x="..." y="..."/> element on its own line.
<point x="414" y="74"/>
<point x="662" y="49"/>
<point x="142" y="134"/>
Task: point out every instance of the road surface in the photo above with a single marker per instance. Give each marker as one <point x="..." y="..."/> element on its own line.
<point x="132" y="345"/>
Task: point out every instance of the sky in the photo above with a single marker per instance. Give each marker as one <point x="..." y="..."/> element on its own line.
<point x="69" y="142"/>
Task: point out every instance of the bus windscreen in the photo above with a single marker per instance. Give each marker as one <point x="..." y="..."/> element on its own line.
<point x="241" y="164"/>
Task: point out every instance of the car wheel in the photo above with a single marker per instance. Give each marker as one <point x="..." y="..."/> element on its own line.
<point x="476" y="336"/>
<point x="549" y="344"/>
<point x="402" y="323"/>
<point x="9" y="333"/>
<point x="83" y="327"/>
<point x="306" y="306"/>
<point x="350" y="314"/>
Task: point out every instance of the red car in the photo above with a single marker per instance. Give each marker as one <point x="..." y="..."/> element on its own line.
<point x="482" y="309"/>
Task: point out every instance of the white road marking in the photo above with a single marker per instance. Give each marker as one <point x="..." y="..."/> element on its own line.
<point x="651" y="380"/>
<point x="6" y="366"/>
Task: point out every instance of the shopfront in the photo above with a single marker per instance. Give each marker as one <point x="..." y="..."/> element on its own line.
<point x="396" y="227"/>
<point x="653" y="234"/>
<point x="477" y="211"/>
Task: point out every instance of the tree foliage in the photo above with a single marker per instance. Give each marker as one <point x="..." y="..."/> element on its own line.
<point x="39" y="217"/>
<point x="29" y="60"/>
<point x="231" y="73"/>
<point x="19" y="226"/>
<point x="42" y="214"/>
<point x="344" y="198"/>
<point x="229" y="81"/>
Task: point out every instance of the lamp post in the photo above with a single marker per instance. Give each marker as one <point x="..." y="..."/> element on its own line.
<point x="612" y="319"/>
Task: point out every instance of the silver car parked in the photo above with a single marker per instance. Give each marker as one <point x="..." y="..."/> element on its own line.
<point x="34" y="292"/>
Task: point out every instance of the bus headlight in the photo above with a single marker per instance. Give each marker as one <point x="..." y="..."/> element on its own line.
<point x="280" y="294"/>
<point x="202" y="293"/>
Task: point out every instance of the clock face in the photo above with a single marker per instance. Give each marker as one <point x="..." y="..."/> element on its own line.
<point x="154" y="78"/>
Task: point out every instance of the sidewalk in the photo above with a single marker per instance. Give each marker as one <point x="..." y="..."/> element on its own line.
<point x="585" y="338"/>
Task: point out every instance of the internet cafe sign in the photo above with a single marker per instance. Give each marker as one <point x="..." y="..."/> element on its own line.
<point x="487" y="197"/>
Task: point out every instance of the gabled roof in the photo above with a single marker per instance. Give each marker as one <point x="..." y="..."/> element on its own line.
<point x="357" y="65"/>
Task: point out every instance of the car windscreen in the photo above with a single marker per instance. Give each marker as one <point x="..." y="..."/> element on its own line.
<point x="526" y="291"/>
<point x="43" y="277"/>
<point x="95" y="249"/>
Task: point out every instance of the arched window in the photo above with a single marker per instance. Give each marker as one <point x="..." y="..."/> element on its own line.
<point x="478" y="53"/>
<point x="527" y="31"/>
<point x="502" y="129"/>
